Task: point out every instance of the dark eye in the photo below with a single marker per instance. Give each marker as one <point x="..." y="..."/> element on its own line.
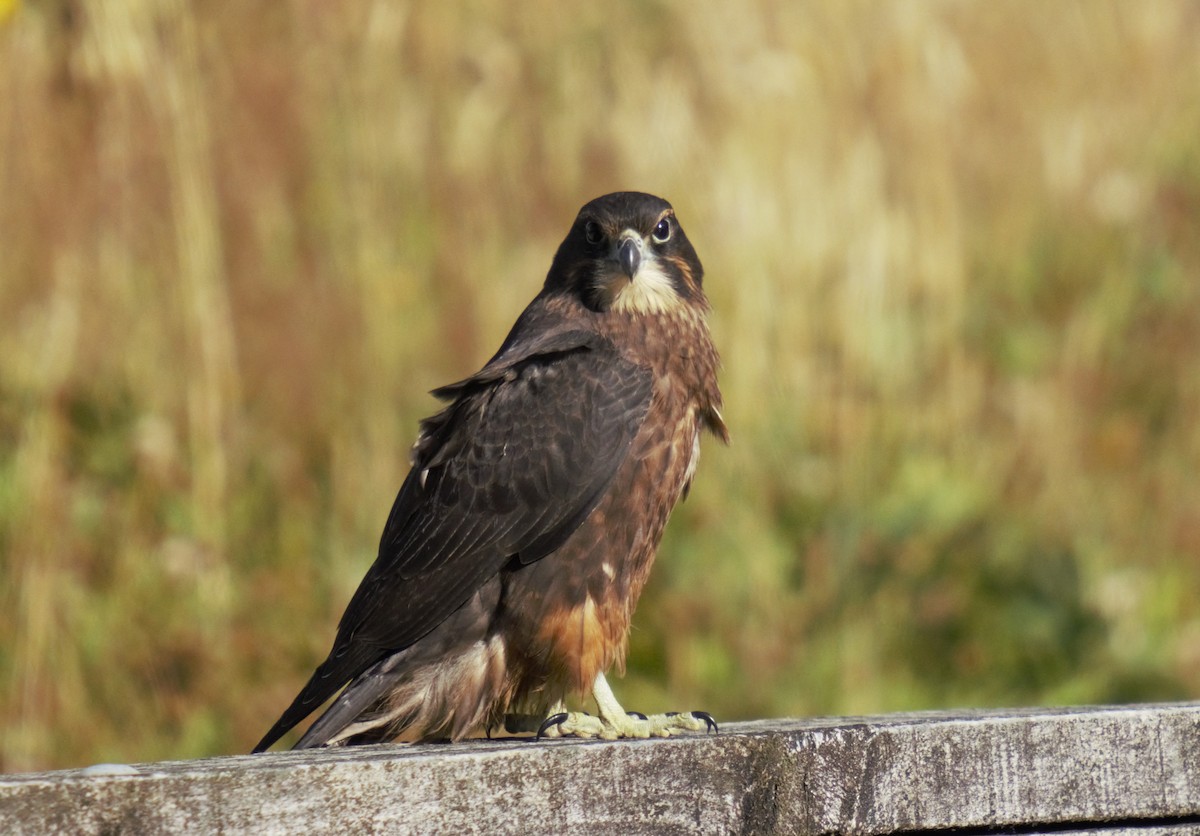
<point x="662" y="231"/>
<point x="593" y="233"/>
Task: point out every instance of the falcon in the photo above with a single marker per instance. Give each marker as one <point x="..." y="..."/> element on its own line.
<point x="518" y="545"/>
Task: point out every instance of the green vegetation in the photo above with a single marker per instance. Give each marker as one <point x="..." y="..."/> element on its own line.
<point x="953" y="251"/>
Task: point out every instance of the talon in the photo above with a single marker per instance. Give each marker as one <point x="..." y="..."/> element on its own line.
<point x="637" y="714"/>
<point x="708" y="721"/>
<point x="671" y="714"/>
<point x="552" y="720"/>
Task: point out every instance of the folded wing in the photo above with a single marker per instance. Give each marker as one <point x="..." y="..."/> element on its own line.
<point x="506" y="472"/>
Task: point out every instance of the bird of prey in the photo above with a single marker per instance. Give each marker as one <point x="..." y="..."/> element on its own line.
<point x="515" y="552"/>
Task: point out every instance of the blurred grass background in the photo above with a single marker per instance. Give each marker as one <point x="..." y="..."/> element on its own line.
<point x="953" y="250"/>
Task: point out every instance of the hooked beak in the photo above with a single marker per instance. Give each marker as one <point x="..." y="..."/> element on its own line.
<point x="629" y="254"/>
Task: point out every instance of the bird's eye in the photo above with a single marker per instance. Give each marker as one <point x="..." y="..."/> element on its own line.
<point x="593" y="233"/>
<point x="662" y="231"/>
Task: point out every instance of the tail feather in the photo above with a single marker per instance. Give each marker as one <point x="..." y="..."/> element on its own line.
<point x="326" y="680"/>
<point x="451" y="682"/>
<point x="358" y="702"/>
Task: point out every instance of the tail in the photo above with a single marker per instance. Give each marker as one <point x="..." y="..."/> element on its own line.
<point x="420" y="692"/>
<point x="356" y="713"/>
<point x="343" y="664"/>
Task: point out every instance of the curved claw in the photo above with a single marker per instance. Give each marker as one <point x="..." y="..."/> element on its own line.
<point x="552" y="720"/>
<point x="637" y="714"/>
<point x="709" y="722"/>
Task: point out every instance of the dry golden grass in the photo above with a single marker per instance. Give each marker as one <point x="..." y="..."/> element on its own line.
<point x="953" y="251"/>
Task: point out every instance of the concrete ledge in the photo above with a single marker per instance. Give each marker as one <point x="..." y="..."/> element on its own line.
<point x="1099" y="770"/>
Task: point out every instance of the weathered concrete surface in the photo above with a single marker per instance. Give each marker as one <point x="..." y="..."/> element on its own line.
<point x="1099" y="770"/>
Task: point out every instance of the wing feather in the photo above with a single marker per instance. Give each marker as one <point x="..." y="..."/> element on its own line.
<point x="508" y="470"/>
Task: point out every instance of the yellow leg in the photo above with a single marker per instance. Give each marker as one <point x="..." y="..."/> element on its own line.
<point x="614" y="722"/>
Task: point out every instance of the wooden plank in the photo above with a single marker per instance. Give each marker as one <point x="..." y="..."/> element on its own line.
<point x="1132" y="769"/>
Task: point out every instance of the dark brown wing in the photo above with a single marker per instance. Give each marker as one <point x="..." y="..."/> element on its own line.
<point x="507" y="471"/>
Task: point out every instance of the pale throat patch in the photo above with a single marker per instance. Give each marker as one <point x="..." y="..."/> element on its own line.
<point x="651" y="291"/>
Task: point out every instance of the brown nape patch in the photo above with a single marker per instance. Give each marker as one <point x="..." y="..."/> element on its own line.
<point x="690" y="288"/>
<point x="577" y="643"/>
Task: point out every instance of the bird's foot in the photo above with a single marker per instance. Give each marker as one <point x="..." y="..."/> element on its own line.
<point x="631" y="725"/>
<point x="614" y="722"/>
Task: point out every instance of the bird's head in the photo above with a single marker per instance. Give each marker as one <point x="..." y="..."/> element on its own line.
<point x="626" y="252"/>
